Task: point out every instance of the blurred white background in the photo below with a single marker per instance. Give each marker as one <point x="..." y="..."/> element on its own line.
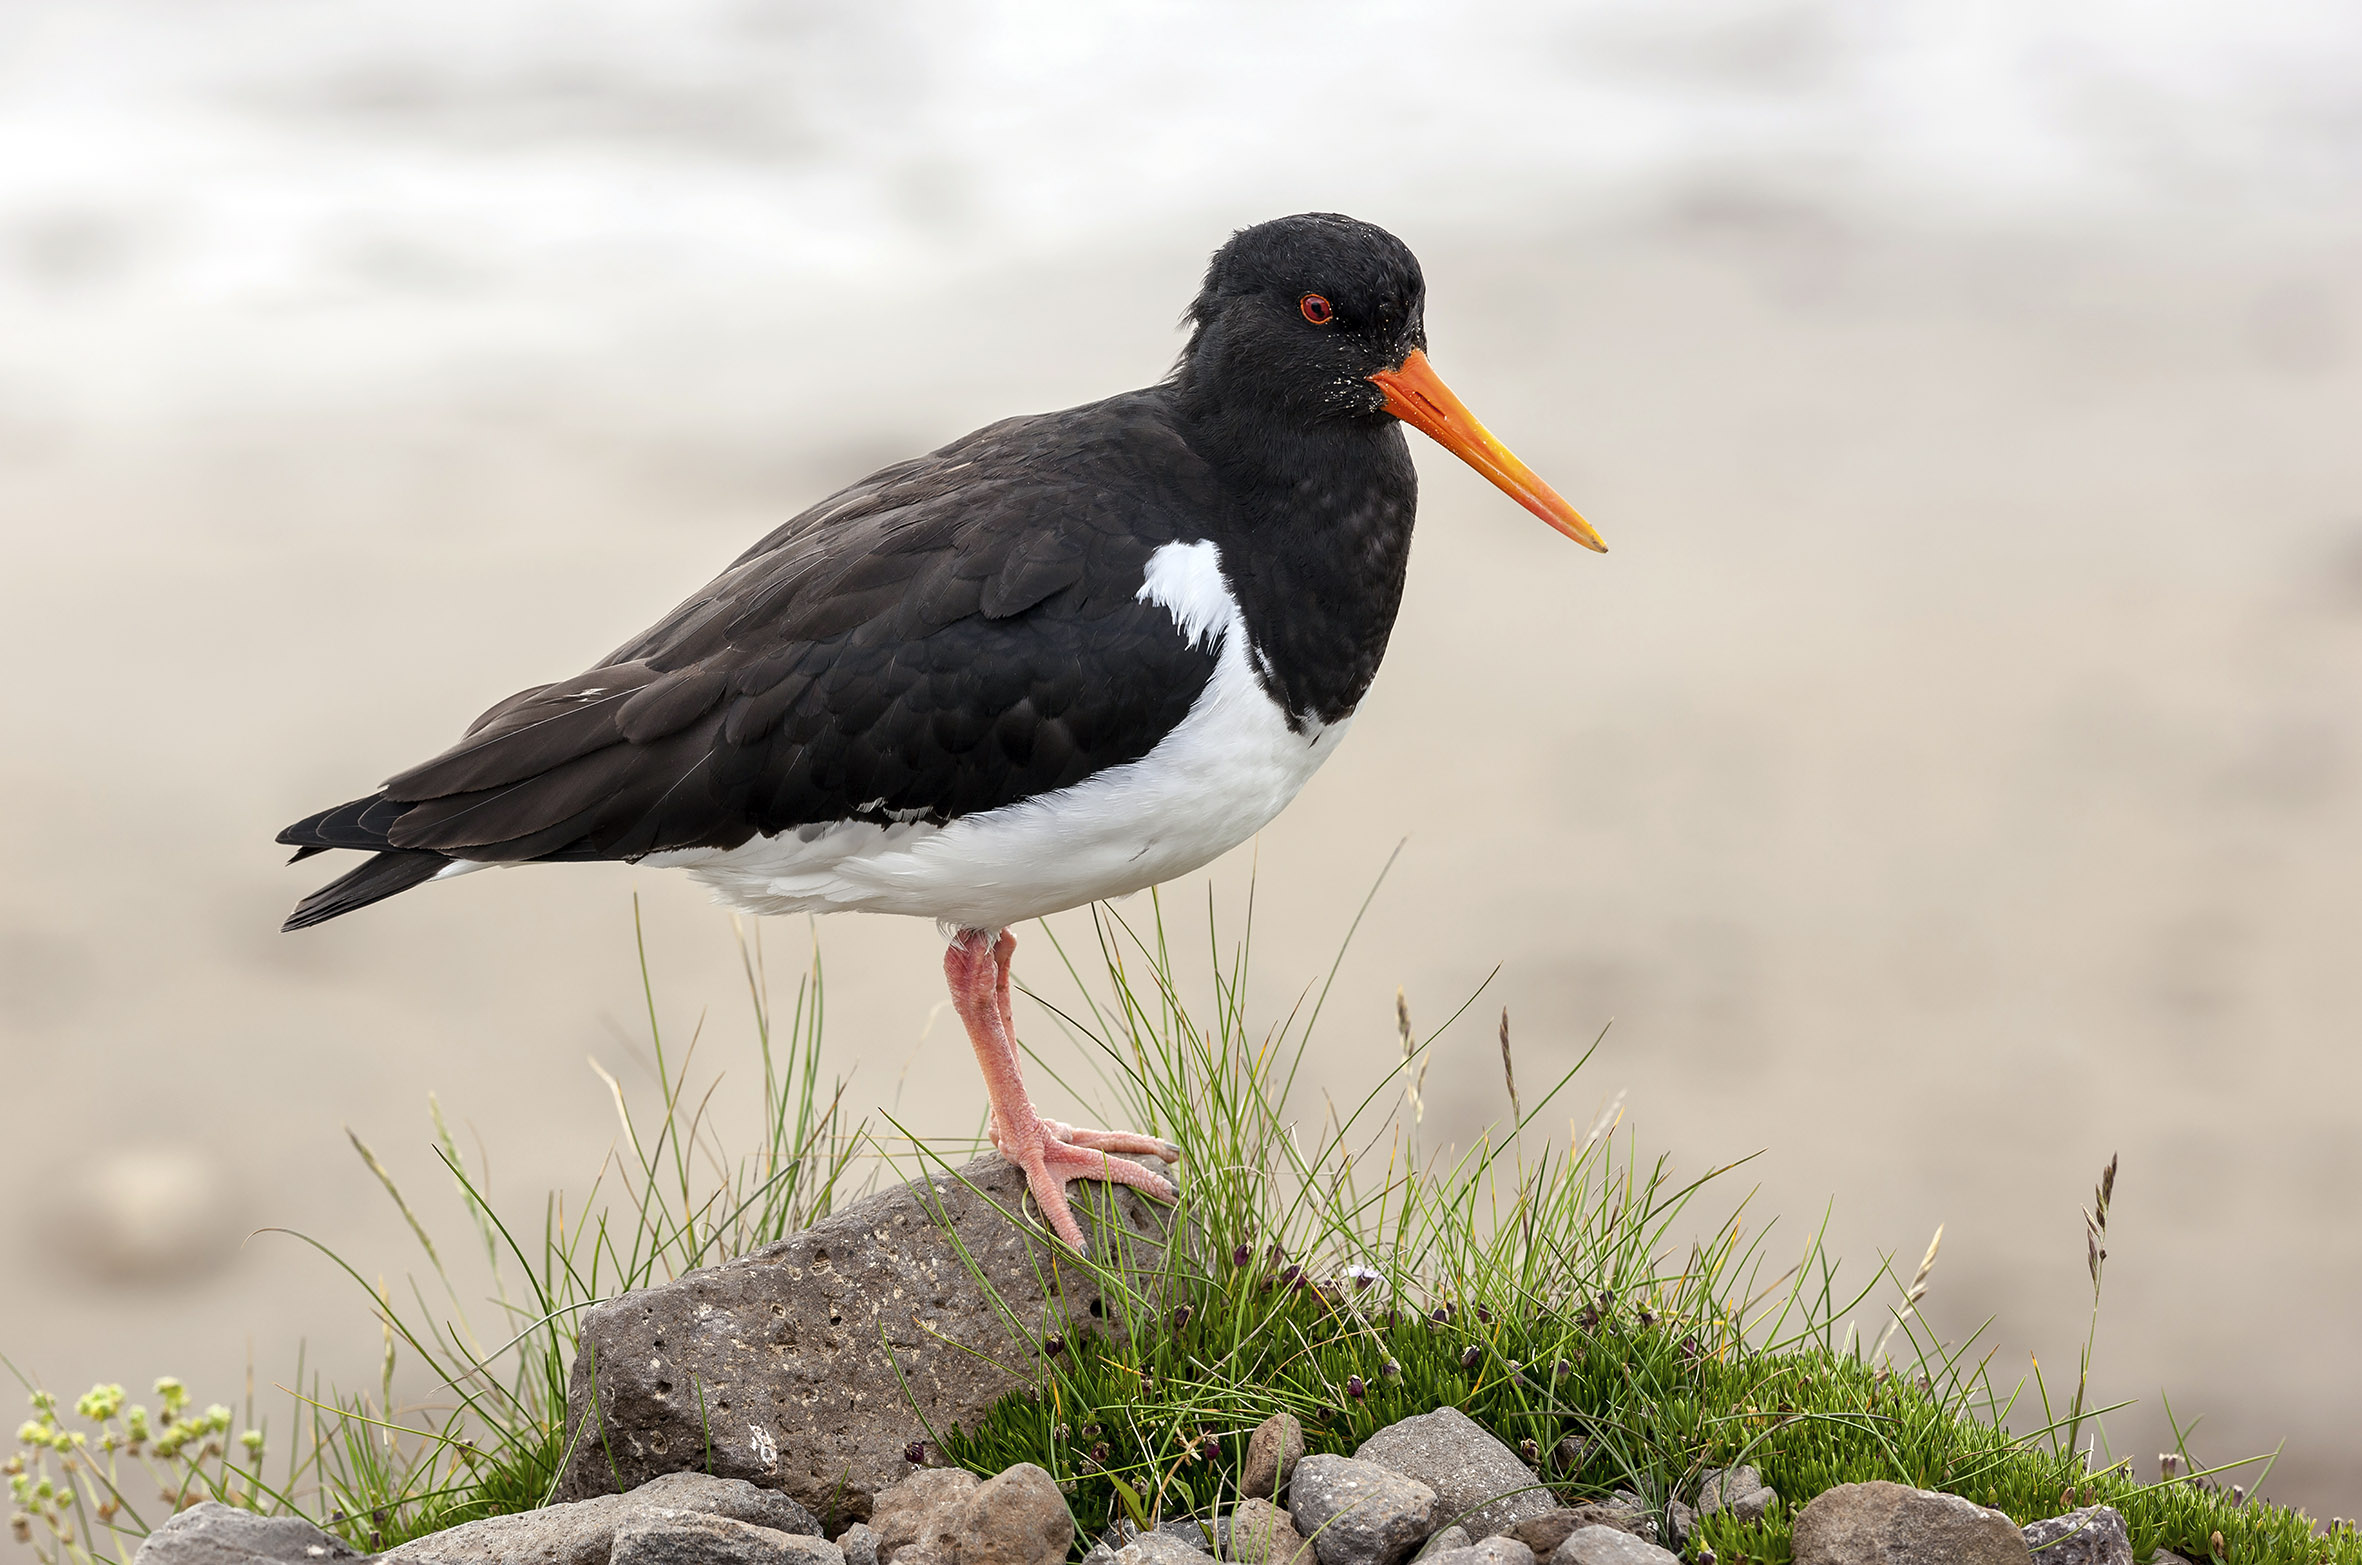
<point x="1954" y="775"/>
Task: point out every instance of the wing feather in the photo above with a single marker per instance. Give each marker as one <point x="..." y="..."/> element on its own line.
<point x="949" y="635"/>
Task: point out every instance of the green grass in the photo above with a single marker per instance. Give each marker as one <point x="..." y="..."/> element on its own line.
<point x="1551" y="1287"/>
<point x="1567" y="1291"/>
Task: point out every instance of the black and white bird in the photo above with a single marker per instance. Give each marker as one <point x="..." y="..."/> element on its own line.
<point x="1061" y="659"/>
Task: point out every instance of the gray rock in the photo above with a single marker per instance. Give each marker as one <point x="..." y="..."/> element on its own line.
<point x="1480" y="1482"/>
<point x="1197" y="1532"/>
<point x="1453" y="1537"/>
<point x="1119" y="1533"/>
<point x="1273" y="1451"/>
<point x="1547" y="1531"/>
<point x="922" y="1511"/>
<point x="1158" y="1548"/>
<point x="1500" y="1549"/>
<point x="1680" y="1522"/>
<point x="1611" y="1546"/>
<point x="2094" y="1535"/>
<point x="1257" y="1532"/>
<point x="780" y="1367"/>
<point x="583" y="1532"/>
<point x="859" y="1544"/>
<point x="1886" y="1524"/>
<point x="1738" y="1490"/>
<point x="1017" y="1517"/>
<point x="1359" y="1513"/>
<point x="211" y="1533"/>
<point x="666" y="1537"/>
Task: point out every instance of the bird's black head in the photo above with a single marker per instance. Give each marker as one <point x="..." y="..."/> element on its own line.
<point x="1317" y="323"/>
<point x="1298" y="313"/>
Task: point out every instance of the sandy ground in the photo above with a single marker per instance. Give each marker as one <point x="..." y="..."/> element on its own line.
<point x="1949" y="780"/>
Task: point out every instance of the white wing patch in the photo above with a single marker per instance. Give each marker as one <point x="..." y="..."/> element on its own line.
<point x="1185" y="579"/>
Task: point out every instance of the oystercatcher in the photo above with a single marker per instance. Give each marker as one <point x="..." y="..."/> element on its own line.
<point x="1064" y="658"/>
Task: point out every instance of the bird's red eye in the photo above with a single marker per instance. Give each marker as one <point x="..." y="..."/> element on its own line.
<point x="1316" y="309"/>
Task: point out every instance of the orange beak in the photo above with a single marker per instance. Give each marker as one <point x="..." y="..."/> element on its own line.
<point x="1417" y="395"/>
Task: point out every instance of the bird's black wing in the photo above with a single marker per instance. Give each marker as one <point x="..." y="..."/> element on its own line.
<point x="951" y="634"/>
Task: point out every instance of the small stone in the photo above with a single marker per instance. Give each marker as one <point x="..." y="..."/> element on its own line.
<point x="923" y="1509"/>
<point x="1547" y="1531"/>
<point x="1257" y="1532"/>
<point x="661" y="1536"/>
<point x="1500" y="1549"/>
<point x="1359" y="1513"/>
<point x="1880" y="1523"/>
<point x="1159" y="1548"/>
<point x="582" y="1532"/>
<point x="1453" y="1537"/>
<point x="1017" y="1517"/>
<point x="859" y="1544"/>
<point x="1738" y="1490"/>
<point x="1628" y="1512"/>
<point x="1198" y="1533"/>
<point x="1273" y="1451"/>
<point x="1479" y="1481"/>
<point x="211" y="1533"/>
<point x="2094" y="1535"/>
<point x="1609" y="1546"/>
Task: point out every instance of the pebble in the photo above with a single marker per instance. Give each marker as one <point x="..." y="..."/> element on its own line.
<point x="1479" y="1481"/>
<point x="1358" y="1513"/>
<point x="922" y="1509"/>
<point x="1257" y="1532"/>
<point x="1500" y="1549"/>
<point x="1016" y="1517"/>
<point x="1884" y="1523"/>
<point x="670" y="1537"/>
<point x="1738" y="1490"/>
<point x="1273" y="1451"/>
<point x="1608" y="1546"/>
<point x="1158" y="1548"/>
<point x="2094" y="1535"/>
<point x="859" y="1544"/>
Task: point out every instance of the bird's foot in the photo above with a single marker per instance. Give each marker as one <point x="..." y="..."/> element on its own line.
<point x="1062" y="1153"/>
<point x="1123" y="1143"/>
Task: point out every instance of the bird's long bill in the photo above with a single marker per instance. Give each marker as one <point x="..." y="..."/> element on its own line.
<point x="1417" y="395"/>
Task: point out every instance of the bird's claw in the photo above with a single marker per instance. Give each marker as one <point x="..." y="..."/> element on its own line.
<point x="1062" y="1155"/>
<point x="1124" y="1143"/>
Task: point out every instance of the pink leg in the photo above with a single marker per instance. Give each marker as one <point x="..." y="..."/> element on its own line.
<point x="977" y="968"/>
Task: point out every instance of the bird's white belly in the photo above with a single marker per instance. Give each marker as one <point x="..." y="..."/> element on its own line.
<point x="1222" y="773"/>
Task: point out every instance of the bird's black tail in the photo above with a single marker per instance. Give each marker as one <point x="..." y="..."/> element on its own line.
<point x="389" y="870"/>
<point x="385" y="874"/>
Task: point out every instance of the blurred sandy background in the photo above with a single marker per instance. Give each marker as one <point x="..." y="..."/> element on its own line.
<point x="1953" y="776"/>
